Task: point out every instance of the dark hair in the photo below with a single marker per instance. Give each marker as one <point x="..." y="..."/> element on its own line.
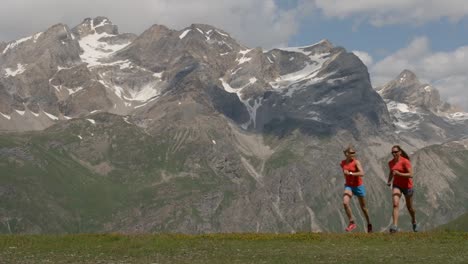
<point x="403" y="153"/>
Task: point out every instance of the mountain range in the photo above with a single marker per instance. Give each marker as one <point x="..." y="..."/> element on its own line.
<point x="191" y="131"/>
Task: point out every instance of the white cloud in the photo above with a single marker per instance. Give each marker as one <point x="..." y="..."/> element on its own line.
<point x="384" y="12"/>
<point x="254" y="23"/>
<point x="447" y="71"/>
<point x="455" y="90"/>
<point x="405" y="58"/>
<point x="365" y="57"/>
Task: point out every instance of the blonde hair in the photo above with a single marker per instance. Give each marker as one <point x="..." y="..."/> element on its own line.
<point x="349" y="149"/>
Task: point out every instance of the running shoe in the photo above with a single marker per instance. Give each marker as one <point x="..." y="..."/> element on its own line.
<point x="351" y="227"/>
<point x="369" y="228"/>
<point x="393" y="229"/>
<point x="415" y="227"/>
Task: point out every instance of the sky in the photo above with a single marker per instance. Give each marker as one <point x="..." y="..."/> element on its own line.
<point x="428" y="37"/>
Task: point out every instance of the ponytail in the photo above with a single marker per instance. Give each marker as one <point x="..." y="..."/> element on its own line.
<point x="403" y="153"/>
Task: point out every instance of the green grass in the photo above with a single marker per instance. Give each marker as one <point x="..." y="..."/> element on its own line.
<point x="48" y="183"/>
<point x="459" y="224"/>
<point x="57" y="184"/>
<point x="443" y="247"/>
<point x="281" y="159"/>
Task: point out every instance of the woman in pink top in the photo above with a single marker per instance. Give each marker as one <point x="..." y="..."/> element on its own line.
<point x="353" y="172"/>
<point x="401" y="173"/>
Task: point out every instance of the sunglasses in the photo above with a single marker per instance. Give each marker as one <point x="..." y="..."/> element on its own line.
<point x="351" y="152"/>
<point x="394" y="152"/>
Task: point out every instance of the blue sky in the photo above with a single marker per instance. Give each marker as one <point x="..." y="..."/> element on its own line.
<point x="380" y="41"/>
<point x="428" y="37"/>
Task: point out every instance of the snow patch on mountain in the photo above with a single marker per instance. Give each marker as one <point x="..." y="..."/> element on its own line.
<point x="306" y="76"/>
<point x="74" y="90"/>
<point x="309" y="72"/>
<point x="181" y="36"/>
<point x="10" y="72"/>
<point x="327" y="100"/>
<point x="252" y="109"/>
<point x="236" y="70"/>
<point x="147" y="92"/>
<point x="407" y="117"/>
<point x="123" y="64"/>
<point x="5" y="116"/>
<point x="243" y="59"/>
<point x="103" y="23"/>
<point x="117" y="90"/>
<point x="51" y="116"/>
<point x="314" y="116"/>
<point x="36" y="36"/>
<point x="458" y="117"/>
<point x="95" y="50"/>
<point x="15" y="43"/>
<point x="222" y="34"/>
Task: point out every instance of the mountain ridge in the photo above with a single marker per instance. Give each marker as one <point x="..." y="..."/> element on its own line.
<point x="190" y="131"/>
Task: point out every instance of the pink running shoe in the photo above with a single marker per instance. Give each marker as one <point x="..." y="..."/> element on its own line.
<point x="350" y="227"/>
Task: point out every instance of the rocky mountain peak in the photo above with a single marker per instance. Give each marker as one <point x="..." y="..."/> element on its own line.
<point x="207" y="28"/>
<point x="208" y="36"/>
<point x="406" y="88"/>
<point x="297" y="83"/>
<point x="56" y="45"/>
<point x="323" y="46"/>
<point x="98" y="25"/>
<point x="156" y="30"/>
<point x="407" y="77"/>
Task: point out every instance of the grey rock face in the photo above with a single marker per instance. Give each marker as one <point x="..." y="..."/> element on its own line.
<point x="406" y="88"/>
<point x="45" y="72"/>
<point x="420" y="116"/>
<point x="328" y="96"/>
<point x="131" y="70"/>
<point x="191" y="131"/>
<point x="97" y="25"/>
<point x="27" y="65"/>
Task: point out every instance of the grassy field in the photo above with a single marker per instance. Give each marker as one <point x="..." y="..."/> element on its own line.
<point x="459" y="224"/>
<point x="436" y="247"/>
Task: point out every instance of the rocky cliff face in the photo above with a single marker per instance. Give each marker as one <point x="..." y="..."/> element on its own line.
<point x="406" y="88"/>
<point x="420" y="116"/>
<point x="188" y="131"/>
<point x="122" y="73"/>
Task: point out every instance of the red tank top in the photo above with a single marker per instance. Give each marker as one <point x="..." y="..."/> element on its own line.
<point x="402" y="165"/>
<point x="352" y="181"/>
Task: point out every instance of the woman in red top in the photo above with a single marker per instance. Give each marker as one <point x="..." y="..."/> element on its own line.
<point x="353" y="172"/>
<point x="402" y="175"/>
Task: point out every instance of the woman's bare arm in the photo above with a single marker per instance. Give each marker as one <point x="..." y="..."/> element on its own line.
<point x="360" y="171"/>
<point x="408" y="174"/>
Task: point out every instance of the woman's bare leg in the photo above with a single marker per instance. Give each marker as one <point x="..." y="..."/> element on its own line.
<point x="362" y="203"/>
<point x="346" y="203"/>
<point x="409" y="205"/>
<point x="396" y="194"/>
